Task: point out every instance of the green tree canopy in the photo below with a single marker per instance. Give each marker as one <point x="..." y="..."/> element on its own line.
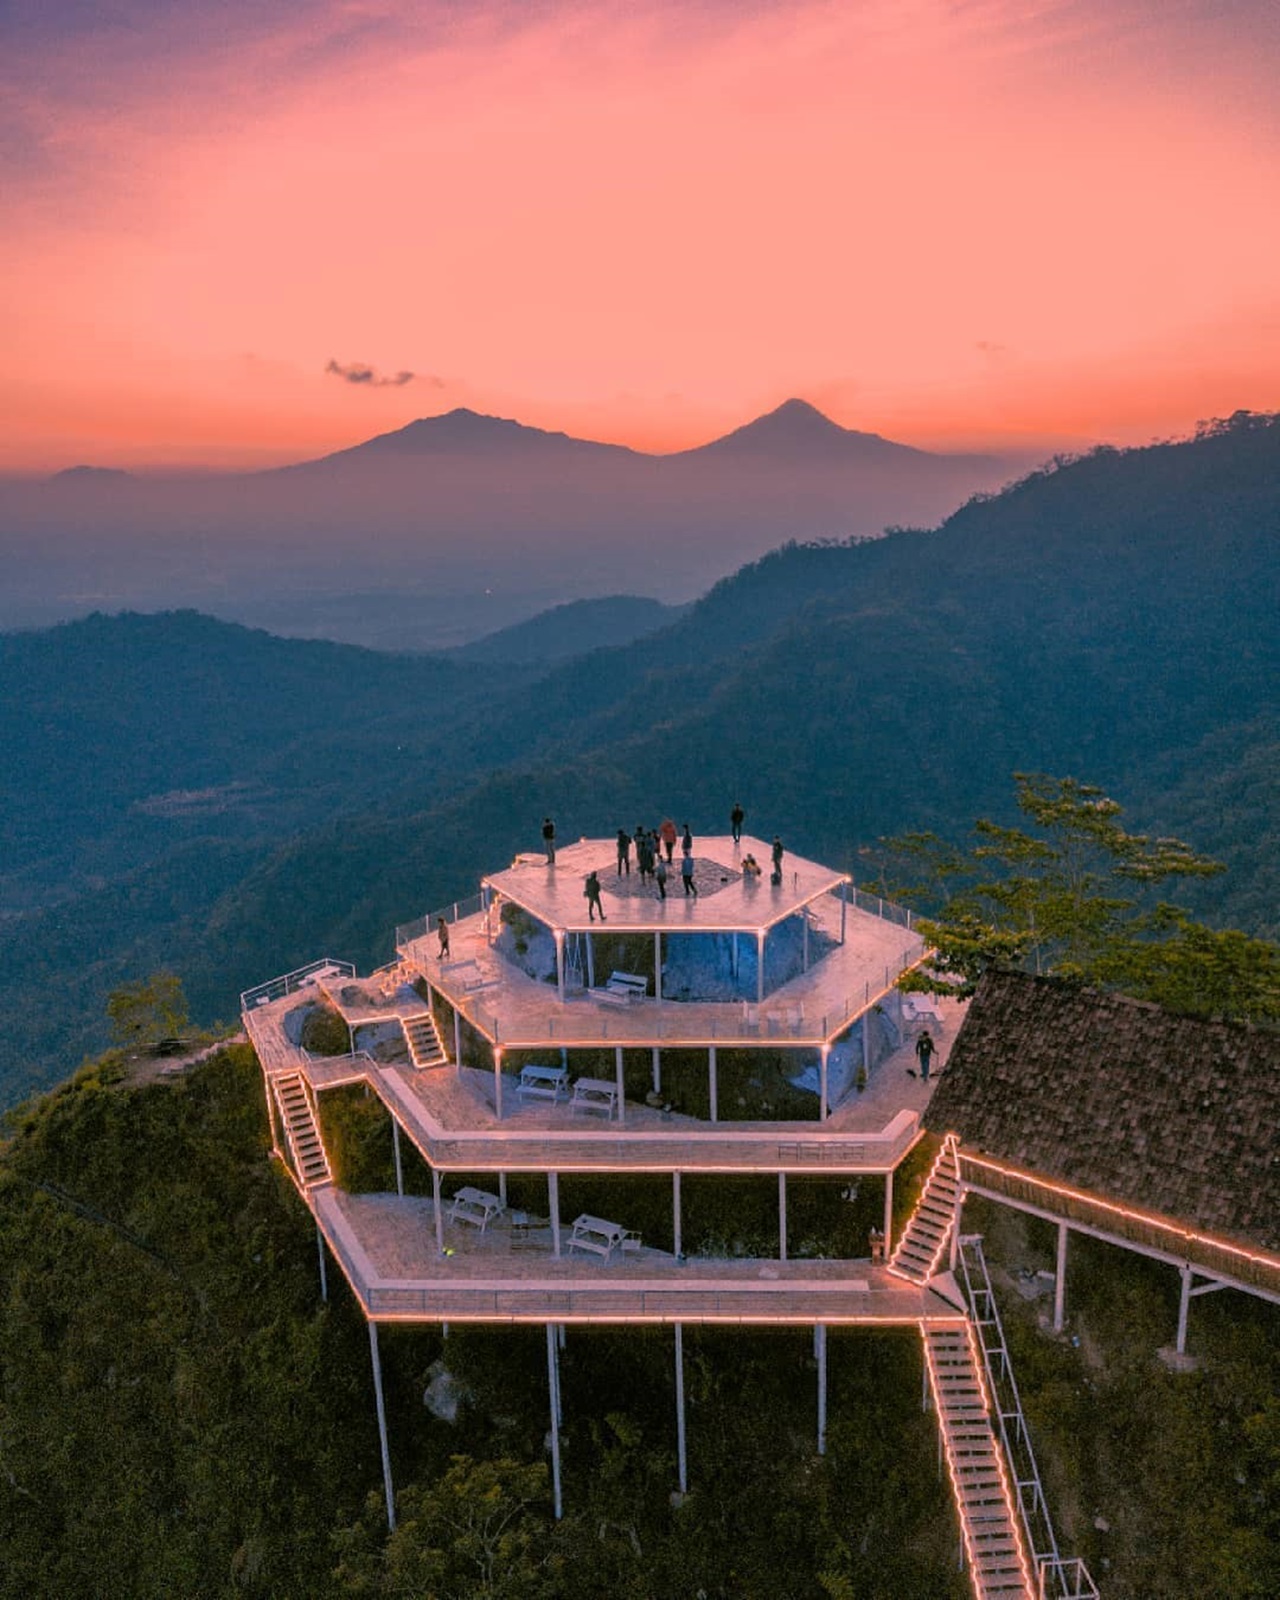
<point x="1066" y="895"/>
<point x="149" y="1010"/>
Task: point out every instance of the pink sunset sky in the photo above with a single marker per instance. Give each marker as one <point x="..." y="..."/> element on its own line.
<point x="961" y="223"/>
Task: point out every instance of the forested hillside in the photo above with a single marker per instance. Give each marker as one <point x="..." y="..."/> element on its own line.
<point x="1114" y="618"/>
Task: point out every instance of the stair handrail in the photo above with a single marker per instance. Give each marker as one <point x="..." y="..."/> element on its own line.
<point x="1070" y="1574"/>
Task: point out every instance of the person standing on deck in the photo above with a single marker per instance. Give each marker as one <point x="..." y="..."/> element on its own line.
<point x="667" y="833"/>
<point x="442" y="933"/>
<point x="924" y="1053"/>
<point x="660" y="877"/>
<point x="776" y="878"/>
<point x="592" y="892"/>
<point x="736" y="818"/>
<point x="686" y="874"/>
<point x="624" y="852"/>
<point x="686" y="841"/>
<point x="549" y="840"/>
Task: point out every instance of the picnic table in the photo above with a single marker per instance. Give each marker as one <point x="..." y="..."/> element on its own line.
<point x="476" y="1206"/>
<point x="601" y="1237"/>
<point x="542" y="1083"/>
<point x="594" y="1094"/>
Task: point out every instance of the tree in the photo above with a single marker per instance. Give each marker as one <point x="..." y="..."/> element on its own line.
<point x="1067" y="898"/>
<point x="148" y="1011"/>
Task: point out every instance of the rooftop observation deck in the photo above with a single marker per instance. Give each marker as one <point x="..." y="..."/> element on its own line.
<point x="514" y="1010"/>
<point x="386" y="1246"/>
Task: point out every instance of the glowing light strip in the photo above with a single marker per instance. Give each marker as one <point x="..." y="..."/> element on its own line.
<point x="1149" y="1218"/>
<point x="948" y="1148"/>
<point x="953" y="1470"/>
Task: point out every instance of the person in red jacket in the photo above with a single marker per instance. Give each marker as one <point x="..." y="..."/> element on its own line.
<point x="667" y="833"/>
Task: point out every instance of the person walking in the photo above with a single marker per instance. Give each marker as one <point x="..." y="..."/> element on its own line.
<point x="549" y="840"/>
<point x="442" y="933"/>
<point x="624" y="852"/>
<point x="686" y="841"/>
<point x="924" y="1053"/>
<point x="686" y="874"/>
<point x="776" y="878"/>
<point x="660" y="878"/>
<point x="592" y="892"/>
<point x="736" y="818"/>
<point x="667" y="833"/>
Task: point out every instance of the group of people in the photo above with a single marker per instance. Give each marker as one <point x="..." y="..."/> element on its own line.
<point x="752" y="870"/>
<point x="655" y="855"/>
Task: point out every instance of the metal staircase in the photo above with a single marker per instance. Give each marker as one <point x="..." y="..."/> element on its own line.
<point x="920" y="1250"/>
<point x="989" y="1527"/>
<point x="1059" y="1579"/>
<point x="425" y="1047"/>
<point x="302" y="1130"/>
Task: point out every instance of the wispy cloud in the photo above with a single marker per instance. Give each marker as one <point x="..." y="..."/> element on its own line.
<point x="359" y="373"/>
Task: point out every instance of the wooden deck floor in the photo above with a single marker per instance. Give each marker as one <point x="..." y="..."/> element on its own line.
<point x="386" y="1245"/>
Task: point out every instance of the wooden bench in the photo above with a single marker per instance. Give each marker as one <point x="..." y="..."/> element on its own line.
<point x="601" y="1238"/>
<point x="594" y="1094"/>
<point x="542" y="1083"/>
<point x="476" y="1206"/>
<point x="622" y="988"/>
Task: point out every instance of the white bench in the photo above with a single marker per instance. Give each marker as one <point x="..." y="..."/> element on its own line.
<point x="476" y="1206"/>
<point x="917" y="1010"/>
<point x="622" y="988"/>
<point x="601" y="1238"/>
<point x="542" y="1083"/>
<point x="594" y="1094"/>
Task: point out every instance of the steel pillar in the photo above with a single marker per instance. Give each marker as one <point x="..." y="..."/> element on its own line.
<point x="591" y="961"/>
<point x="502" y="1187"/>
<point x="782" y="1216"/>
<point x="438" y="1208"/>
<point x="820" y="1349"/>
<point x="559" y="933"/>
<point x="657" y="966"/>
<point x="395" y="1146"/>
<point x="382" y="1427"/>
<point x="823" y="1097"/>
<point x="620" y="1080"/>
<point x="844" y="908"/>
<point x="457" y="1038"/>
<point x="553" y="1389"/>
<point x="711" y="1081"/>
<point x="324" y="1273"/>
<point x="497" y="1081"/>
<point x="657" y="1070"/>
<point x="1060" y="1280"/>
<point x="682" y="1463"/>
<point x="760" y="966"/>
<point x="553" y="1205"/>
<point x="677" y="1230"/>
<point x="1184" y="1305"/>
<point x="888" y="1215"/>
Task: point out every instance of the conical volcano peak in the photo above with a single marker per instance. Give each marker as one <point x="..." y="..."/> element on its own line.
<point x="797" y="428"/>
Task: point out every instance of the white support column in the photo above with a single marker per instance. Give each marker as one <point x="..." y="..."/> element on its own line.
<point x="823" y="1097"/>
<point x="457" y="1038"/>
<point x="502" y="1187"/>
<point x="844" y="909"/>
<point x="888" y="1215"/>
<point x="395" y="1147"/>
<point x="559" y="933"/>
<point x="657" y="1070"/>
<point x="677" y="1226"/>
<point x="382" y="1427"/>
<point x="497" y="1081"/>
<point x="733" y="957"/>
<point x="820" y="1349"/>
<point x="1184" y="1305"/>
<point x="438" y="1208"/>
<point x="657" y="966"/>
<point x="782" y="1216"/>
<point x="553" y="1205"/>
<point x="619" y="1078"/>
<point x="553" y="1391"/>
<point x="1060" y="1280"/>
<point x="711" y="1082"/>
<point x="682" y="1464"/>
<point x="591" y="961"/>
<point x="324" y="1273"/>
<point x="804" y="939"/>
<point x="760" y="966"/>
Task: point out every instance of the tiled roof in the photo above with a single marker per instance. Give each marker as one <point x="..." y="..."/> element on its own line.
<point x="1120" y="1098"/>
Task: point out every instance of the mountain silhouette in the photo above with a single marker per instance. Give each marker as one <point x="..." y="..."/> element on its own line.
<point x="796" y="430"/>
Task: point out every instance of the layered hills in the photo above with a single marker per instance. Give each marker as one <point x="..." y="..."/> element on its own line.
<point x="227" y="804"/>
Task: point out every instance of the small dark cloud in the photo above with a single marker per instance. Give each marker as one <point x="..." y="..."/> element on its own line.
<point x="357" y="372"/>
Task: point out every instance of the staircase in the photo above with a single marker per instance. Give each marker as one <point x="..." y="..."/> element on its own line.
<point x="425" y="1048"/>
<point x="1059" y="1579"/>
<point x="989" y="1526"/>
<point x="301" y="1129"/>
<point x="920" y="1249"/>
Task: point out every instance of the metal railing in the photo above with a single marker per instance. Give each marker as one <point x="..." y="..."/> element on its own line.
<point x="473" y="905"/>
<point x="289" y="982"/>
<point x="804" y="1302"/>
<point x="878" y="906"/>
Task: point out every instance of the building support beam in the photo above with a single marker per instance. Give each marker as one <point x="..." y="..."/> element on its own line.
<point x="382" y="1427"/>
<point x="1060" y="1279"/>
<point x="619" y="1077"/>
<point x="682" y="1462"/>
<point x="502" y="1187"/>
<point x="760" y="966"/>
<point x="711" y="1082"/>
<point x="888" y="1215"/>
<point x="559" y="934"/>
<point x="824" y="1099"/>
<point x="657" y="966"/>
<point x="844" y="909"/>
<point x="782" y="1216"/>
<point x="324" y="1271"/>
<point x="553" y="1206"/>
<point x="438" y="1207"/>
<point x="677" y="1225"/>
<point x="1184" y="1305"/>
<point x="820" y="1351"/>
<point x="657" y="1070"/>
<point x="457" y="1038"/>
<point x="497" y="1081"/>
<point x="395" y="1150"/>
<point x="553" y="1390"/>
<point x="591" y="961"/>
